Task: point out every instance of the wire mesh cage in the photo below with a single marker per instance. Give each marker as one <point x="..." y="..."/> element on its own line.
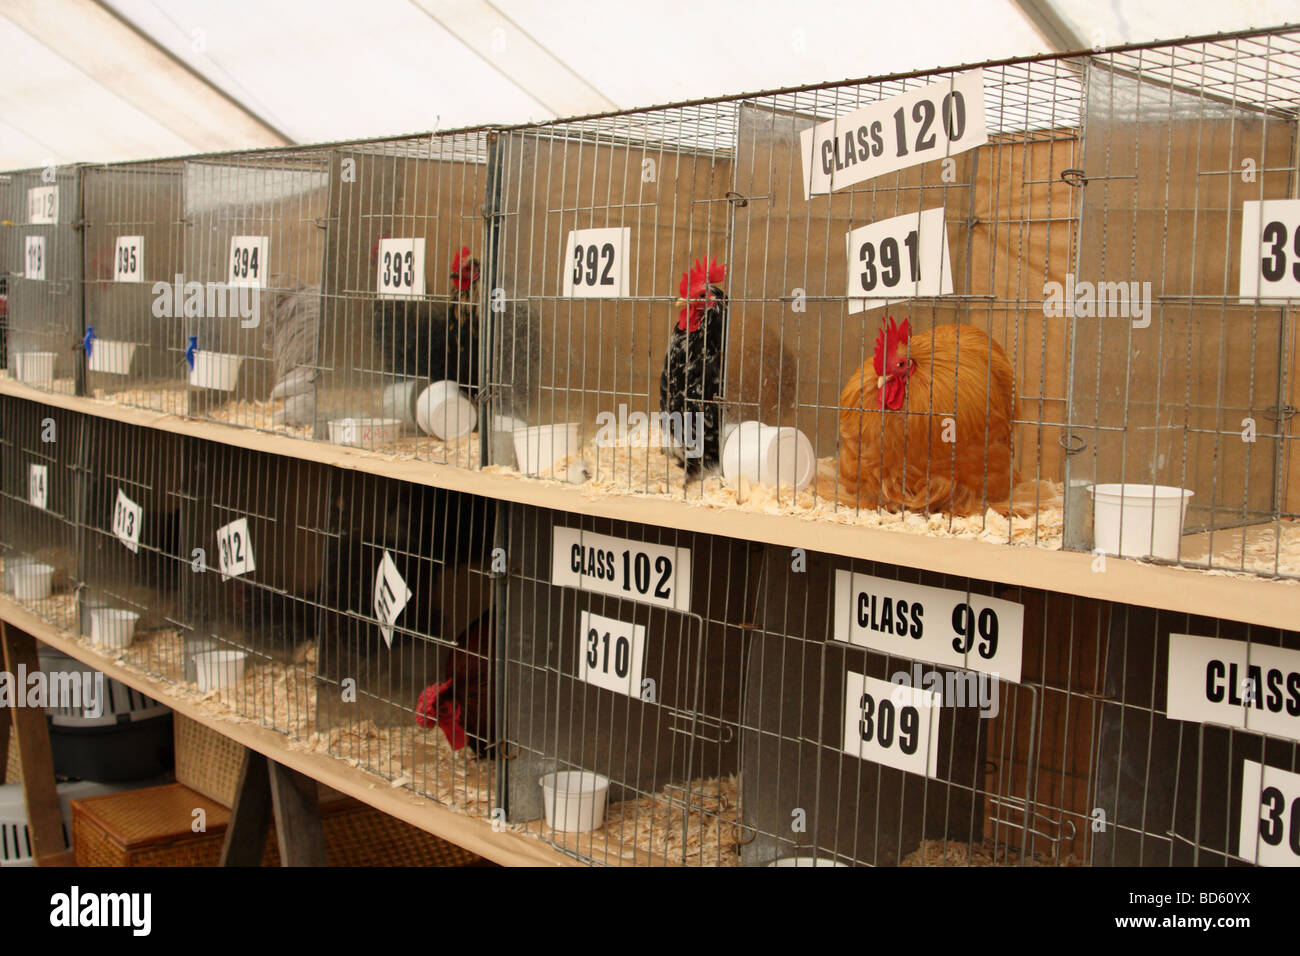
<point x="134" y="239"/>
<point x="42" y="489"/>
<point x="44" y="291"/>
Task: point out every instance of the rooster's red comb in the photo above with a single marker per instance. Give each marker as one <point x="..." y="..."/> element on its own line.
<point x="462" y="256"/>
<point x="887" y="338"/>
<point x="702" y="274"/>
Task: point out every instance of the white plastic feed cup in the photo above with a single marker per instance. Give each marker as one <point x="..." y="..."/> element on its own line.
<point x="1138" y="521"/>
<point x="768" y="455"/>
<point x="215" y="370"/>
<point x="33" y="581"/>
<point x="398" y="400"/>
<point x="35" y="367"/>
<point x="539" y="447"/>
<point x="575" y="800"/>
<point x="219" y="669"/>
<point x="112" y="357"/>
<point x="364" y="432"/>
<point x="112" y="627"/>
<point x="444" y="412"/>
<point x="805" y="861"/>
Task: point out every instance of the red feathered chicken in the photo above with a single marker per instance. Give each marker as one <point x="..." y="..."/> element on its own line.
<point x="927" y="426"/>
<point x="461" y="706"/>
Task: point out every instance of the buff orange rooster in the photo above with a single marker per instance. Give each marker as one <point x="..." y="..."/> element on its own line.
<point x="927" y="425"/>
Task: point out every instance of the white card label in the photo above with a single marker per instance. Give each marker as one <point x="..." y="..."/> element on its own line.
<point x="891" y="724"/>
<point x="1270" y="249"/>
<point x="942" y="119"/>
<point x="596" y="263"/>
<point x="128" y="259"/>
<point x="655" y="574"/>
<point x="43" y="205"/>
<point x="34" y="262"/>
<point x="611" y="654"/>
<point x="401" y="268"/>
<point x="1270" y="815"/>
<point x="248" y="261"/>
<point x="38" y="485"/>
<point x="235" y="549"/>
<point x="950" y="628"/>
<point x="391" y="595"/>
<point x="1246" y="686"/>
<point x="898" y="259"/>
<point x="127" y="518"/>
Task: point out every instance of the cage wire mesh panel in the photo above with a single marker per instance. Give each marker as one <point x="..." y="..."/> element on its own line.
<point x="406" y="666"/>
<point x="42" y="488"/>
<point x="598" y="221"/>
<point x="405" y="285"/>
<point x="255" y="249"/>
<point x="134" y="237"/>
<point x="623" y="678"/>
<point x="1188" y="394"/>
<point x="44" y="293"/>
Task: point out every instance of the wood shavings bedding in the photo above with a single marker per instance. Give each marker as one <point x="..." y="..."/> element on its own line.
<point x="952" y="853"/>
<point x="649" y="830"/>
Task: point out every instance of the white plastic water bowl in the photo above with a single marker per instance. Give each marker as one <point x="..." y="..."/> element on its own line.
<point x="365" y="432"/>
<point x="574" y="800"/>
<point x="539" y="447"/>
<point x="33" y="581"/>
<point x="1138" y="521"/>
<point x="216" y="370"/>
<point x="112" y="627"/>
<point x="805" y="861"/>
<point x="113" y="357"/>
<point x="443" y="411"/>
<point x="768" y="455"/>
<point x="217" y="670"/>
<point x="34" y="368"/>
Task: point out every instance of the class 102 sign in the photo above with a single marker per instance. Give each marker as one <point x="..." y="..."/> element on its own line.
<point x="657" y="574"/>
<point x="1250" y="687"/>
<point x="936" y="625"/>
<point x="934" y="121"/>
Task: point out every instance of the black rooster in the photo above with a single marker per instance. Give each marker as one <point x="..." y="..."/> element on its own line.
<point x="434" y="341"/>
<point x="690" y="387"/>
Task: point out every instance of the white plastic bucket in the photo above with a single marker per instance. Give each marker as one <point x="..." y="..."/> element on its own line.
<point x="33" y="581"/>
<point x="110" y="356"/>
<point x="1138" y="521"/>
<point x="444" y="412"/>
<point x="112" y="627"/>
<point x="574" y="799"/>
<point x="539" y="447"/>
<point x="14" y="563"/>
<point x="805" y="861"/>
<point x="219" y="669"/>
<point x="768" y="455"/>
<point x="398" y="401"/>
<point x="216" y="370"/>
<point x="364" y="431"/>
<point x="34" y="368"/>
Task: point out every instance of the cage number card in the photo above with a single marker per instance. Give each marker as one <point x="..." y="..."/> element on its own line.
<point x="655" y="574"/>
<point x="34" y="263"/>
<point x="235" y="549"/>
<point x="897" y="259"/>
<point x="38" y="485"/>
<point x="43" y="205"/>
<point x="941" y="119"/>
<point x="1270" y="249"/>
<point x="401" y="268"/>
<point x="936" y="625"/>
<point x="611" y="654"/>
<point x="248" y="261"/>
<point x="1251" y="687"/>
<point x="1270" y="815"/>
<point x="391" y="595"/>
<point x="127" y="518"/>
<point x="128" y="259"/>
<point x="891" y="724"/>
<point x="596" y="263"/>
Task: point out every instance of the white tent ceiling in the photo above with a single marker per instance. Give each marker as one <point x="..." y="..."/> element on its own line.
<point x="109" y="80"/>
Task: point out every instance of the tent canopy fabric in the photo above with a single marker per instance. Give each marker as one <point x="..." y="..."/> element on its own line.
<point x="108" y="80"/>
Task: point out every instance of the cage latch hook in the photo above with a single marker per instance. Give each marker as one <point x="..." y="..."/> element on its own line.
<point x="736" y="199"/>
<point x="1280" y="413"/>
<point x="1073" y="177"/>
<point x="1073" y="444"/>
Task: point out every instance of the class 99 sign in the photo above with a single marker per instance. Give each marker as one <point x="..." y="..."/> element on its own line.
<point x="891" y="724"/>
<point x="596" y="263"/>
<point x="936" y="625"/>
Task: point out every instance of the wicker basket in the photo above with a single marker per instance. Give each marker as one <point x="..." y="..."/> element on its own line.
<point x="152" y="827"/>
<point x="208" y="762"/>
